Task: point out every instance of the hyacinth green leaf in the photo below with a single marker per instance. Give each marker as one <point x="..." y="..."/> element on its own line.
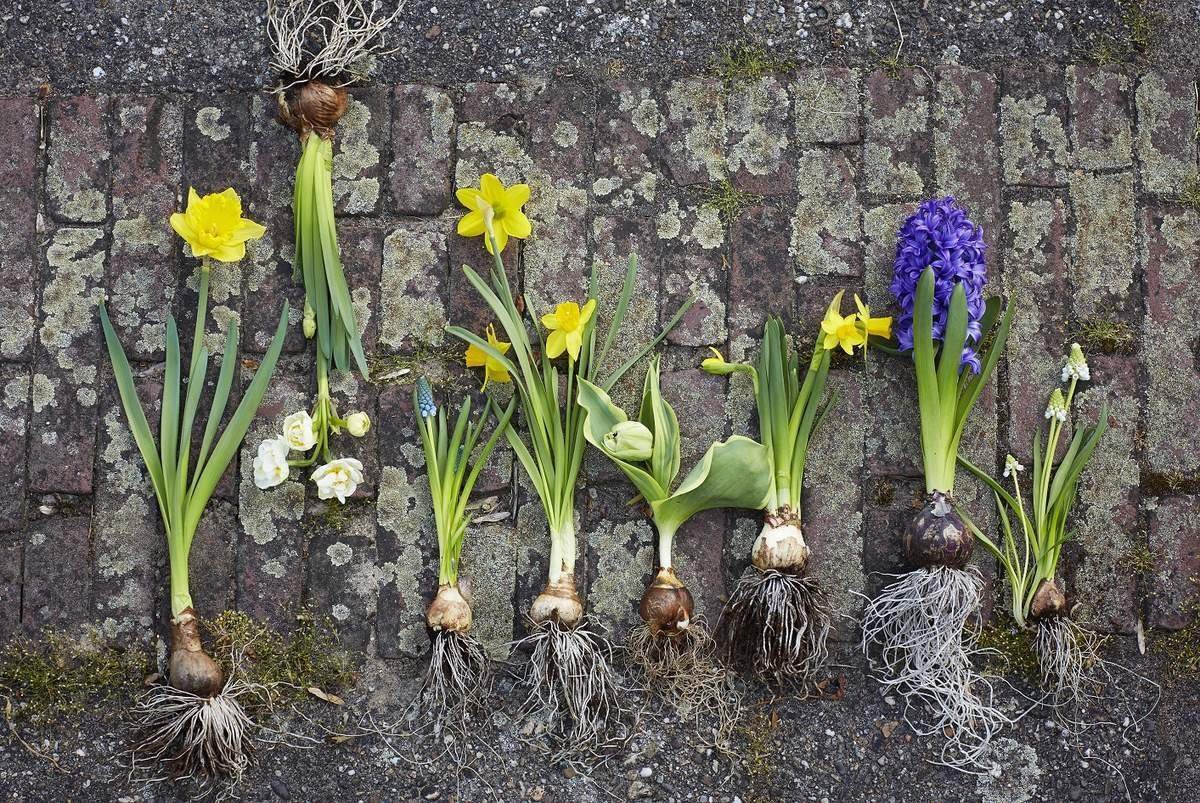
<point x="734" y="473"/>
<point x="932" y="450"/>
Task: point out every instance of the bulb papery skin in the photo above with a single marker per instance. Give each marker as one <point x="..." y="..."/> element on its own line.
<point x="190" y="669"/>
<point x="937" y="535"/>
<point x="450" y="610"/>
<point x="667" y="606"/>
<point x="559" y="601"/>
<point x="316" y="106"/>
<point x="780" y="545"/>
<point x="1048" y="601"/>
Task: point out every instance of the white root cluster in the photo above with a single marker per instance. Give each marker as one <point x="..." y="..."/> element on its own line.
<point x="210" y="740"/>
<point x="326" y="39"/>
<point x="916" y="636"/>
<point x="455" y="684"/>
<point x="574" y="690"/>
<point x="776" y="624"/>
<point x="684" y="671"/>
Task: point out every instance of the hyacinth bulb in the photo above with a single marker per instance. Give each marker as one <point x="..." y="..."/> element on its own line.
<point x="937" y="536"/>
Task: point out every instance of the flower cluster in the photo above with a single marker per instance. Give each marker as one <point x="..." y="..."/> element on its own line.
<point x="336" y="478"/>
<point x="1057" y="408"/>
<point x="852" y="330"/>
<point x="1012" y="467"/>
<point x="426" y="406"/>
<point x="1076" y="366"/>
<point x="940" y="235"/>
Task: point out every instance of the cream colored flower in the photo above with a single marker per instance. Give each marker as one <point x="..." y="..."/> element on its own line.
<point x="358" y="424"/>
<point x="271" y="463"/>
<point x="338" y="478"/>
<point x="298" y="431"/>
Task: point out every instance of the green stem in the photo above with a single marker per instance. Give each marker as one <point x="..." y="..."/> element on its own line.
<point x="181" y="598"/>
<point x="562" y="550"/>
<point x="666" y="535"/>
<point x="201" y="311"/>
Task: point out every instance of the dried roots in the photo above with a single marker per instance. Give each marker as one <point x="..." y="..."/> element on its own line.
<point x="455" y="685"/>
<point x="574" y="690"/>
<point x="775" y="625"/>
<point x="181" y="735"/>
<point x="683" y="669"/>
<point x="916" y="635"/>
<point x="325" y="39"/>
<point x="1077" y="679"/>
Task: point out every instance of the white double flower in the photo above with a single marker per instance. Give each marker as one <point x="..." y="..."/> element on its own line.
<point x="338" y="478"/>
<point x="298" y="431"/>
<point x="271" y="463"/>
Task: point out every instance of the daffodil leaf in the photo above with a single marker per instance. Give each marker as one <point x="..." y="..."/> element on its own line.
<point x="220" y="399"/>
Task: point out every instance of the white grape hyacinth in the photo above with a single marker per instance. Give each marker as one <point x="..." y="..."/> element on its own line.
<point x="1057" y="408"/>
<point x="1076" y="367"/>
<point x="1011" y="466"/>
<point x="338" y="478"/>
<point x="271" y="463"/>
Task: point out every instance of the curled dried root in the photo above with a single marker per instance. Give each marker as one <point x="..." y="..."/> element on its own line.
<point x="683" y="670"/>
<point x="916" y="636"/>
<point x="1076" y="678"/>
<point x="181" y="735"/>
<point x="776" y="624"/>
<point x="326" y="39"/>
<point x="455" y="685"/>
<point x="574" y="691"/>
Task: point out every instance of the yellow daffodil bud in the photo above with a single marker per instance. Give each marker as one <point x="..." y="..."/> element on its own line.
<point x="358" y="424"/>
<point x="629" y="440"/>
<point x="310" y="321"/>
<point x="717" y="366"/>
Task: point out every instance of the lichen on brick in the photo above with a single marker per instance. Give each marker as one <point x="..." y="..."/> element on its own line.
<point x="402" y="510"/>
<point x="208" y="122"/>
<point x="410" y="314"/>
<point x="354" y="156"/>
<point x="758" y="126"/>
<point x="1035" y="141"/>
<point x="76" y="260"/>
<point x="699" y="113"/>
<point x="624" y="552"/>
<point x="826" y="226"/>
<point x="1102" y="271"/>
<point x="1166" y="143"/>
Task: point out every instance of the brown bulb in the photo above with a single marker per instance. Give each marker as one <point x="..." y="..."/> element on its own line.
<point x="190" y="669"/>
<point x="1048" y="601"/>
<point x="938" y="536"/>
<point x="316" y="106"/>
<point x="667" y="605"/>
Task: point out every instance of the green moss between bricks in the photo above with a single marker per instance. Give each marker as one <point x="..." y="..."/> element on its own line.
<point x="309" y="654"/>
<point x="741" y="62"/>
<point x="1136" y="38"/>
<point x="1180" y="649"/>
<point x="727" y="200"/>
<point x="57" y="675"/>
<point x="758" y="736"/>
<point x="1009" y="650"/>
<point x="1189" y="194"/>
<point x="1107" y="337"/>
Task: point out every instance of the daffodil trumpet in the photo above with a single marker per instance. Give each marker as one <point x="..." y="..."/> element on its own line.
<point x="918" y="632"/>
<point x="777" y="620"/>
<point x="194" y="722"/>
<point x="673" y="646"/>
<point x="1073" y="672"/>
<point x="456" y="680"/>
<point x="573" y="687"/>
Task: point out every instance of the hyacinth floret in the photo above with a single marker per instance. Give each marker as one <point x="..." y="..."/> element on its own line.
<point x="940" y="235"/>
<point x="425" y="404"/>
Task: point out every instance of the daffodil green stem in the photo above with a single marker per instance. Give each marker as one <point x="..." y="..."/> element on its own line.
<point x="562" y="551"/>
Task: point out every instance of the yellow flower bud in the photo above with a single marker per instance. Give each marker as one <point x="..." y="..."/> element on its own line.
<point x="310" y="321"/>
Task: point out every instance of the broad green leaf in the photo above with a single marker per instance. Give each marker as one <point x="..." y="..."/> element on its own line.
<point x="603" y="415"/>
<point x="735" y="473"/>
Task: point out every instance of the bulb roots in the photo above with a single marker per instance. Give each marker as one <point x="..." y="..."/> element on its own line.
<point x="776" y="624"/>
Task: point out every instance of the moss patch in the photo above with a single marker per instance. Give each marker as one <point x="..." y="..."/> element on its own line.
<point x="57" y="675"/>
<point x="1180" y="649"/>
<point x="1189" y="194"/>
<point x="744" y="62"/>
<point x="1135" y="39"/>
<point x="727" y="200"/>
<point x="1168" y="483"/>
<point x="1010" y="649"/>
<point x="309" y="654"/>
<point x="1107" y="336"/>
<point x="758" y="737"/>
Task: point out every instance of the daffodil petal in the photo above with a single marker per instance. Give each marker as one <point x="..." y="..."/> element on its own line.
<point x="556" y="344"/>
<point x="585" y="314"/>
<point x="228" y="253"/>
<point x="550" y="320"/>
<point x="468" y="197"/>
<point x="471" y="224"/>
<point x="516" y="196"/>
<point x="474" y="356"/>
<point x="501" y="238"/>
<point x="491" y="188"/>
<point x="517" y="225"/>
<point x="247" y="230"/>
<point x="863" y="310"/>
<point x="574" y="340"/>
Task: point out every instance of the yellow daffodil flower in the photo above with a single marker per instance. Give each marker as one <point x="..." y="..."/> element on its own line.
<point x="214" y="227"/>
<point x="566" y="326"/>
<point x="841" y="331"/>
<point x="493" y="369"/>
<point x="495" y="211"/>
<point x="879" y="327"/>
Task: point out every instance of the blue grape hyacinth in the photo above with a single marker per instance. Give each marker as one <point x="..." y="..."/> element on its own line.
<point x="425" y="404"/>
<point x="940" y="235"/>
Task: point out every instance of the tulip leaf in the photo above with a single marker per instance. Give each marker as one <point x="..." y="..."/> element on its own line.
<point x="658" y="417"/>
<point x="603" y="415"/>
<point x="733" y="473"/>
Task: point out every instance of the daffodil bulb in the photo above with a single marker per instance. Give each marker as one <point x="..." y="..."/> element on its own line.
<point x="1076" y="367"/>
<point x="298" y="431"/>
<point x="629" y="440"/>
<point x="338" y="478"/>
<point x="271" y="463"/>
<point x="357" y="424"/>
<point x="780" y="545"/>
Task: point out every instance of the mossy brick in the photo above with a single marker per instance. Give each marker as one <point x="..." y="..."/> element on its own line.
<point x="212" y="562"/>
<point x="896" y="157"/>
<point x="10" y="589"/>
<point x="67" y="357"/>
<point x="359" y="144"/>
<point x="833" y="500"/>
<point x="405" y="535"/>
<point x="1033" y="115"/>
<point x="1037" y="281"/>
<point x="827" y="224"/>
<point x="966" y="154"/>
<point x="422" y="149"/>
<point x="271" y="535"/>
<point x="1170" y="239"/>
<point x="275" y="151"/>
<point x="343" y="569"/>
<point x="621" y="548"/>
<point x="19" y="121"/>
<point x="826" y="105"/>
<point x="1106" y="519"/>
<point x="629" y="121"/>
<point x="533" y="549"/>
<point x="78" y="159"/>
<point x="413" y="287"/>
<point x="128" y="544"/>
<point x="692" y="145"/>
<point x="1102" y="268"/>
<point x="56" y="585"/>
<point x="692" y="244"/>
<point x="489" y="570"/>
<point x="1166" y="131"/>
<point x="1101" y="118"/>
<point x="147" y="147"/>
<point x="14" y="423"/>
<point x="1175" y="543"/>
<point x="361" y="243"/>
<point x="759" y="282"/>
<point x="760" y="143"/>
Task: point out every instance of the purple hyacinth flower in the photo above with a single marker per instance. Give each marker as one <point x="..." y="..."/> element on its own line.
<point x="940" y="235"/>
